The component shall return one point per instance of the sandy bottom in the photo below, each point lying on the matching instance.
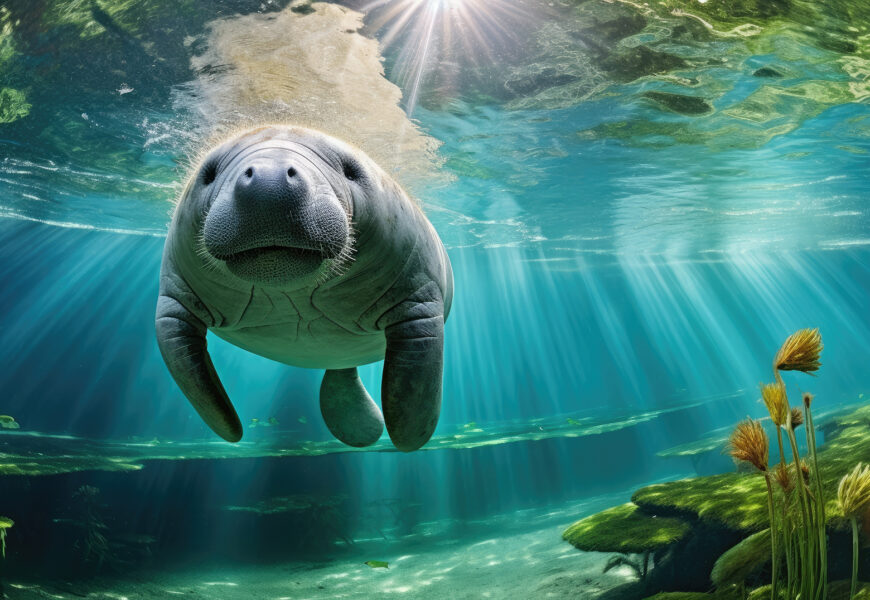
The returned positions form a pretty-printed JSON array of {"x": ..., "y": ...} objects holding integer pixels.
[{"x": 516, "y": 555}]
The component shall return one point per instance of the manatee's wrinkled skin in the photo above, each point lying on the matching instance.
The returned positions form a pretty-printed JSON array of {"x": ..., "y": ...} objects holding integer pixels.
[{"x": 297, "y": 247}]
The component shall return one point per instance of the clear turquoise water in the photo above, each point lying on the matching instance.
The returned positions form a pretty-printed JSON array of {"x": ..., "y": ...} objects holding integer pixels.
[{"x": 612, "y": 258}]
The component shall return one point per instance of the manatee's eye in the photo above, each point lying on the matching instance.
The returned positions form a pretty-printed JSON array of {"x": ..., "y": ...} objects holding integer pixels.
[
  {"x": 209, "y": 172},
  {"x": 351, "y": 169}
]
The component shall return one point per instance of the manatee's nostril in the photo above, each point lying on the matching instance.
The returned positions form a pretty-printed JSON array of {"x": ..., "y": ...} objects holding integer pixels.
[
  {"x": 291, "y": 172},
  {"x": 249, "y": 172}
]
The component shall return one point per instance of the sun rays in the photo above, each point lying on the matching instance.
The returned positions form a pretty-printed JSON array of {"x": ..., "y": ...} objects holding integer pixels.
[{"x": 438, "y": 35}]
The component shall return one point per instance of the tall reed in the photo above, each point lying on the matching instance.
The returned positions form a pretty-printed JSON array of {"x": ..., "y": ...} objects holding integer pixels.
[
  {"x": 853, "y": 494},
  {"x": 802, "y": 523}
]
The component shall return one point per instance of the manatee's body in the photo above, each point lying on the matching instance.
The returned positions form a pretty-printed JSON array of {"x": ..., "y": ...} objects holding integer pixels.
[{"x": 297, "y": 247}]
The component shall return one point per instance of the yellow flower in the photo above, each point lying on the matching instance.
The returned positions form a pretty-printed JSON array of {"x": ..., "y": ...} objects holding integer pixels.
[
  {"x": 853, "y": 492},
  {"x": 749, "y": 443},
  {"x": 800, "y": 352},
  {"x": 776, "y": 402}
]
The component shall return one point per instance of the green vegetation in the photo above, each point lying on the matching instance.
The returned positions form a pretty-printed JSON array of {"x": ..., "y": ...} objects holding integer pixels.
[
  {"x": 13, "y": 105},
  {"x": 737, "y": 564},
  {"x": 801, "y": 504},
  {"x": 735, "y": 500},
  {"x": 853, "y": 497},
  {"x": 5, "y": 525},
  {"x": 377, "y": 564},
  {"x": 694, "y": 596},
  {"x": 626, "y": 529}
]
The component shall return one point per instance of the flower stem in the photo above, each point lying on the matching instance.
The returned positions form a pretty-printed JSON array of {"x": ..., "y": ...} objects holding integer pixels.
[
  {"x": 774, "y": 559},
  {"x": 854, "y": 557}
]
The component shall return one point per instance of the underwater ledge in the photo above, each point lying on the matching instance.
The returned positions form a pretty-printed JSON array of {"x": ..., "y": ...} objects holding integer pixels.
[
  {"x": 31, "y": 453},
  {"x": 681, "y": 528}
]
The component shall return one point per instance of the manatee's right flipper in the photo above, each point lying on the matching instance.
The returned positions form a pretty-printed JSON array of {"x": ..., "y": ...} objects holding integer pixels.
[
  {"x": 348, "y": 410},
  {"x": 181, "y": 337}
]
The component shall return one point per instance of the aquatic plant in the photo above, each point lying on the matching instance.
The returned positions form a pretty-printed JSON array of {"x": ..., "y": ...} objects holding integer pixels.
[
  {"x": 801, "y": 529},
  {"x": 853, "y": 494},
  {"x": 799, "y": 352},
  {"x": 729, "y": 506},
  {"x": 7, "y": 422},
  {"x": 5, "y": 524},
  {"x": 93, "y": 545},
  {"x": 749, "y": 443},
  {"x": 639, "y": 567}
]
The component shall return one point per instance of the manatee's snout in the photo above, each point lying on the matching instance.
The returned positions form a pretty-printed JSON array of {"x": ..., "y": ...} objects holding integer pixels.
[{"x": 275, "y": 218}]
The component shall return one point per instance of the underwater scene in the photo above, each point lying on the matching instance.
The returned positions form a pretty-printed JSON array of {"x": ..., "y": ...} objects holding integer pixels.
[{"x": 435, "y": 299}]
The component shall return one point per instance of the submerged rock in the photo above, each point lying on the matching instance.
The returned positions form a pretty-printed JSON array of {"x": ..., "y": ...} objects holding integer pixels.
[
  {"x": 719, "y": 511},
  {"x": 740, "y": 562},
  {"x": 625, "y": 529}
]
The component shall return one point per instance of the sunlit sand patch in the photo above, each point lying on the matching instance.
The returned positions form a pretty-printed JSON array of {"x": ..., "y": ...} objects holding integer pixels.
[{"x": 312, "y": 69}]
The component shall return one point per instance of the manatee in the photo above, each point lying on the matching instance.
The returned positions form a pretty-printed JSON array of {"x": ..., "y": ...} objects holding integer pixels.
[{"x": 296, "y": 246}]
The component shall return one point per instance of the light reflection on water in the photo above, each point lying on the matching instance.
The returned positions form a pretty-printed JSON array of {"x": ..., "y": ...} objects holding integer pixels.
[{"x": 777, "y": 163}]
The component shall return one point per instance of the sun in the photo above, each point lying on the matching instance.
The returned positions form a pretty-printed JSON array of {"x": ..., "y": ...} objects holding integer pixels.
[{"x": 422, "y": 32}]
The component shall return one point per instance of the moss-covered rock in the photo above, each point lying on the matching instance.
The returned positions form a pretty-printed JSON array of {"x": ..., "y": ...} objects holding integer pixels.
[
  {"x": 735, "y": 500},
  {"x": 625, "y": 529},
  {"x": 736, "y": 565},
  {"x": 738, "y": 501}
]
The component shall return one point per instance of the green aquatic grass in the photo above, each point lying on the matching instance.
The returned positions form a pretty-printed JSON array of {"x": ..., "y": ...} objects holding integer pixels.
[{"x": 626, "y": 529}]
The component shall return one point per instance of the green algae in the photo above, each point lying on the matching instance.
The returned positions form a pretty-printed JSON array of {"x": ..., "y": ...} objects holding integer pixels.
[
  {"x": 13, "y": 105},
  {"x": 707, "y": 46},
  {"x": 626, "y": 529}
]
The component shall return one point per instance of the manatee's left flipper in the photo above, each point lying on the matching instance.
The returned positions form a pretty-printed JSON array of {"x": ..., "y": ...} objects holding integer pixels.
[
  {"x": 348, "y": 410},
  {"x": 411, "y": 390}
]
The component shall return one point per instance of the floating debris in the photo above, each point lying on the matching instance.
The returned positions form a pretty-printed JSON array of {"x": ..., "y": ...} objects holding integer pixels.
[{"x": 377, "y": 564}]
